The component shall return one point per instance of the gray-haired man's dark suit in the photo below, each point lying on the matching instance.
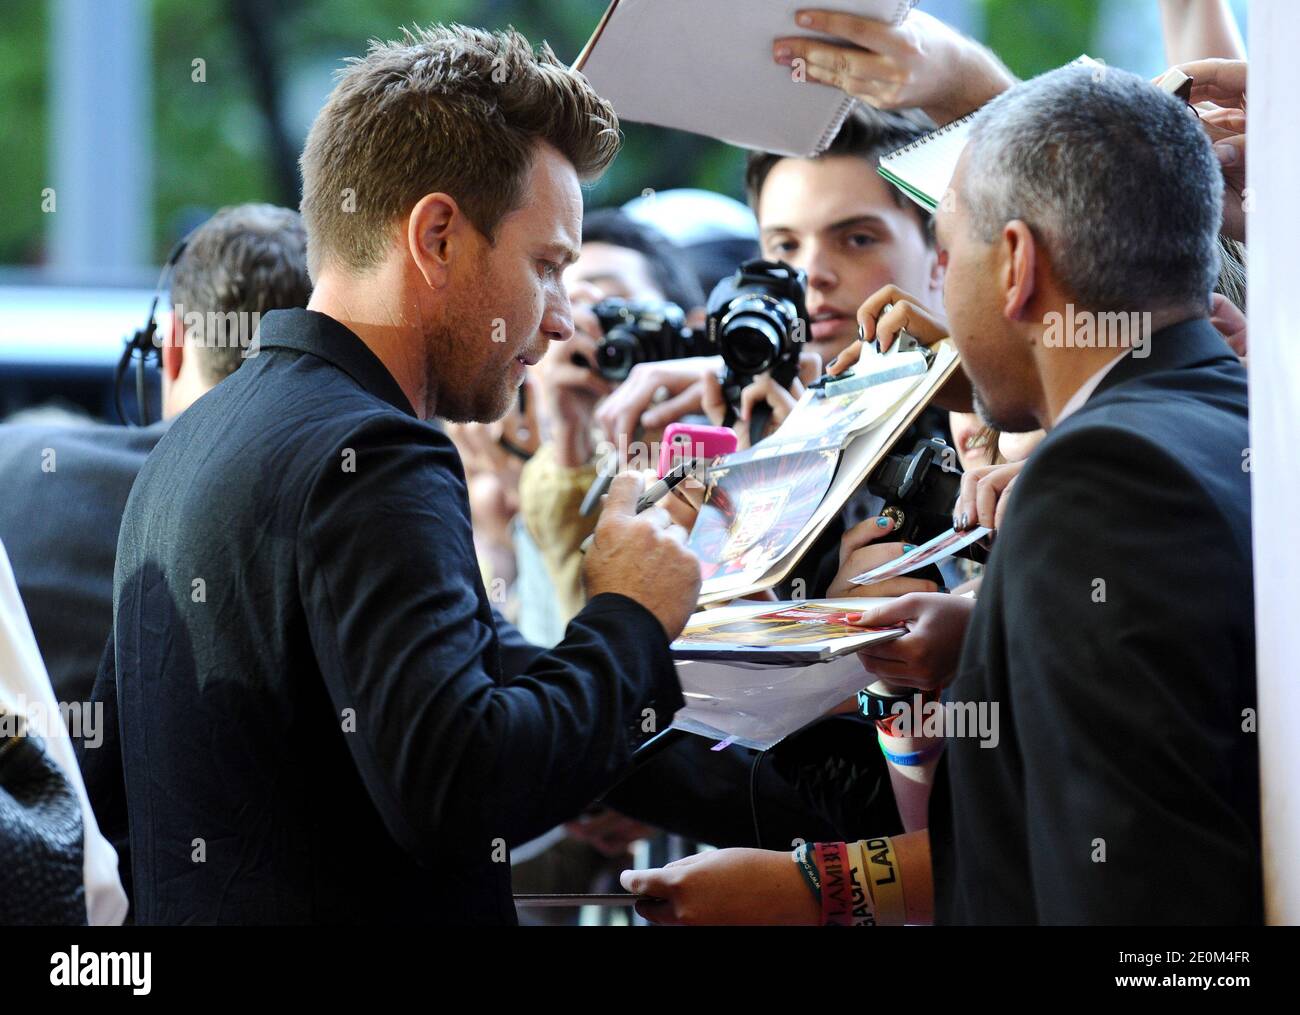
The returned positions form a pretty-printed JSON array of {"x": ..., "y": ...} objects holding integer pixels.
[{"x": 1115, "y": 633}]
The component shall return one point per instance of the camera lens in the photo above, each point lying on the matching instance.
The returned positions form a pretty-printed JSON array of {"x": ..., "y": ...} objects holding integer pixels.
[
  {"x": 616, "y": 354},
  {"x": 751, "y": 336}
]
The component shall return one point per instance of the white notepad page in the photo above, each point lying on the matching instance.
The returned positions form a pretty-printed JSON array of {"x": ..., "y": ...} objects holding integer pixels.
[
  {"x": 706, "y": 66},
  {"x": 928, "y": 163}
]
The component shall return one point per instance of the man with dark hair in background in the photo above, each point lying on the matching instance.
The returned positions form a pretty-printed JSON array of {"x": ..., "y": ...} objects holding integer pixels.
[
  {"x": 66, "y": 486},
  {"x": 624, "y": 257},
  {"x": 836, "y": 218},
  {"x": 245, "y": 260}
]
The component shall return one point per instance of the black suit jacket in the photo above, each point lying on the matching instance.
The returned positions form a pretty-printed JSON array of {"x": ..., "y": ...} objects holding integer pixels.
[
  {"x": 316, "y": 724},
  {"x": 1115, "y": 632},
  {"x": 64, "y": 488}
]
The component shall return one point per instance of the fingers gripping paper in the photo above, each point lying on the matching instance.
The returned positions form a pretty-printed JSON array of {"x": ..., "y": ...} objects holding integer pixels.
[{"x": 706, "y": 66}]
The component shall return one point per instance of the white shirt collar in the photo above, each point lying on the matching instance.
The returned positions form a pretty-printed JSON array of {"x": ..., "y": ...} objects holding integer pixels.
[{"x": 1086, "y": 389}]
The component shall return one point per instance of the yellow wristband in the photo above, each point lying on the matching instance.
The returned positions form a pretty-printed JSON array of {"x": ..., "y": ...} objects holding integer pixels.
[
  {"x": 885, "y": 882},
  {"x": 864, "y": 913}
]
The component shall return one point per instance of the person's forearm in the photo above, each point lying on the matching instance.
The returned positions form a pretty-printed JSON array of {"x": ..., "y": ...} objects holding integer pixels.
[
  {"x": 980, "y": 76},
  {"x": 911, "y": 783},
  {"x": 889, "y": 880},
  {"x": 550, "y": 497},
  {"x": 913, "y": 852},
  {"x": 535, "y": 751},
  {"x": 1200, "y": 30}
]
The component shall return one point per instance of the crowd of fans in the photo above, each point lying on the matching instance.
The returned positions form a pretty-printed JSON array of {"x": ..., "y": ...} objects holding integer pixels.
[{"x": 310, "y": 574}]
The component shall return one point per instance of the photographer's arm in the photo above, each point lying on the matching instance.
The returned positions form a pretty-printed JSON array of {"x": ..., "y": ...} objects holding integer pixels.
[
  {"x": 550, "y": 498},
  {"x": 763, "y": 390},
  {"x": 635, "y": 407},
  {"x": 569, "y": 392},
  {"x": 926, "y": 658}
]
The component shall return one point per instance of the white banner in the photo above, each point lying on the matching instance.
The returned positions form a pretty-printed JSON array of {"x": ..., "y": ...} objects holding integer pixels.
[{"x": 1274, "y": 312}]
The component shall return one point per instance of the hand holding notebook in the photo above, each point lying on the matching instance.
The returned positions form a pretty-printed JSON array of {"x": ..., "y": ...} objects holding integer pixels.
[
  {"x": 706, "y": 66},
  {"x": 920, "y": 63},
  {"x": 923, "y": 169}
]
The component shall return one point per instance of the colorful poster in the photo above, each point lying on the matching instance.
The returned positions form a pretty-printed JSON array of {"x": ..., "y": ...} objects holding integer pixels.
[
  {"x": 753, "y": 512},
  {"x": 804, "y": 624}
]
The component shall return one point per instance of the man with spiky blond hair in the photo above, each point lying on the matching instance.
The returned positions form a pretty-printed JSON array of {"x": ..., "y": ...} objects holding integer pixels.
[{"x": 320, "y": 719}]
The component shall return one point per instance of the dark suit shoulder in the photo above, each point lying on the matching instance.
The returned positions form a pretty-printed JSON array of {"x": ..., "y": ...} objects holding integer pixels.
[
  {"x": 272, "y": 428},
  {"x": 1139, "y": 454},
  {"x": 1114, "y": 631},
  {"x": 65, "y": 488},
  {"x": 394, "y": 474},
  {"x": 103, "y": 447},
  {"x": 388, "y": 450}
]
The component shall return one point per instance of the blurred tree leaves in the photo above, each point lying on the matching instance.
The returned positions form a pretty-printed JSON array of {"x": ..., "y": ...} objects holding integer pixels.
[
  {"x": 1035, "y": 37},
  {"x": 23, "y": 137},
  {"x": 210, "y": 140}
]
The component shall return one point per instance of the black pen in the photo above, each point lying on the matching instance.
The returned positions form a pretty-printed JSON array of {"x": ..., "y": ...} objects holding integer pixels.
[{"x": 655, "y": 494}]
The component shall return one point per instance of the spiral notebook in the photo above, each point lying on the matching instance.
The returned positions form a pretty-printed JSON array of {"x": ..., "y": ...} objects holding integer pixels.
[
  {"x": 923, "y": 169},
  {"x": 706, "y": 66}
]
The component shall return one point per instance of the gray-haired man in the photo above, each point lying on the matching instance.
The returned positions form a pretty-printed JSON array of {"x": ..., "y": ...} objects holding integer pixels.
[{"x": 1115, "y": 624}]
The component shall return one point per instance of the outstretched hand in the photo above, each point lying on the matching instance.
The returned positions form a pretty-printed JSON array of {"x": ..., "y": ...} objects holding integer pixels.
[
  {"x": 928, "y": 654},
  {"x": 726, "y": 886}
]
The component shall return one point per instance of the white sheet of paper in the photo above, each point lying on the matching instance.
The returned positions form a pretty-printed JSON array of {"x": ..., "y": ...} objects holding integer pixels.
[
  {"x": 706, "y": 66},
  {"x": 759, "y": 706},
  {"x": 941, "y": 547}
]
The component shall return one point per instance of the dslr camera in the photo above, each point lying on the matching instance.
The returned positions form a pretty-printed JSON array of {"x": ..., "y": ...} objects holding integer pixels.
[
  {"x": 757, "y": 322},
  {"x": 919, "y": 488},
  {"x": 640, "y": 331}
]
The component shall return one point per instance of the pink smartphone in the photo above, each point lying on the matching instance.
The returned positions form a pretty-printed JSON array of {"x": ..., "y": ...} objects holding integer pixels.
[{"x": 686, "y": 440}]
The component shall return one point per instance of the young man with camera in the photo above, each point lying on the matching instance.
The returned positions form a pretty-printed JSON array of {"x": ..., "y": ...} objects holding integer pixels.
[{"x": 834, "y": 218}]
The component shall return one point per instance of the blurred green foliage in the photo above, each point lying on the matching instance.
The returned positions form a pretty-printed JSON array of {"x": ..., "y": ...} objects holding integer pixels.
[
  {"x": 23, "y": 131},
  {"x": 211, "y": 144},
  {"x": 1035, "y": 37}
]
